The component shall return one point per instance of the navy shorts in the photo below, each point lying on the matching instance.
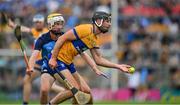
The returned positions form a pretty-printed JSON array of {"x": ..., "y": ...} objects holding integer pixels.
[
  {"x": 61, "y": 66},
  {"x": 40, "y": 63}
]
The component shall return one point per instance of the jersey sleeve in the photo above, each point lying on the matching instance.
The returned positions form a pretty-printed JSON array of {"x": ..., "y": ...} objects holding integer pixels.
[{"x": 38, "y": 44}]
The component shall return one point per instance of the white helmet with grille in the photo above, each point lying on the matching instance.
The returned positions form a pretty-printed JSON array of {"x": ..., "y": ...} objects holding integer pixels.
[{"x": 55, "y": 17}]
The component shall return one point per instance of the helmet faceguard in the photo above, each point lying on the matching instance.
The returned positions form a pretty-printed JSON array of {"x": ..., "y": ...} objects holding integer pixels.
[
  {"x": 52, "y": 19},
  {"x": 102, "y": 16}
]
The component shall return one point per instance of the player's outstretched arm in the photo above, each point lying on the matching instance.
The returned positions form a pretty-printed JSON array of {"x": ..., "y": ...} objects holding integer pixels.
[
  {"x": 23, "y": 28},
  {"x": 105, "y": 63},
  {"x": 68, "y": 36}
]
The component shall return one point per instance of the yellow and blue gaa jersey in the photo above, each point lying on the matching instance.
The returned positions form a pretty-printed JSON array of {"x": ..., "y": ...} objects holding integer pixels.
[
  {"x": 36, "y": 33},
  {"x": 85, "y": 39}
]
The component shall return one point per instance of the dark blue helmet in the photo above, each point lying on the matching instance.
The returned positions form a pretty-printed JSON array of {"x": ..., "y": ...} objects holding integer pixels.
[{"x": 103, "y": 16}]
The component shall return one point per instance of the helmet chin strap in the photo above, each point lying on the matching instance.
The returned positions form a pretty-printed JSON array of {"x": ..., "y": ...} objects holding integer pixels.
[{"x": 100, "y": 26}]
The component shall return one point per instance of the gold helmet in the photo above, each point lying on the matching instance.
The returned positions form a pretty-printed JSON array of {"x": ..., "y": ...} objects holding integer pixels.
[{"x": 55, "y": 17}]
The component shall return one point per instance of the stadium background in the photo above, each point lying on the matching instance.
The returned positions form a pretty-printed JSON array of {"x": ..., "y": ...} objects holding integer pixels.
[{"x": 147, "y": 38}]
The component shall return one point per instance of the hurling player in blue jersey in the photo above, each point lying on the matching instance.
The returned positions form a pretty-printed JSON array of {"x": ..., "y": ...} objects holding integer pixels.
[
  {"x": 44, "y": 44},
  {"x": 37, "y": 30}
]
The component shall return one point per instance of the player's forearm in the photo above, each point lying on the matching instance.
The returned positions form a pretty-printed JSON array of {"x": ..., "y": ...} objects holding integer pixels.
[
  {"x": 25, "y": 29},
  {"x": 98, "y": 58},
  {"x": 106, "y": 63},
  {"x": 89, "y": 61},
  {"x": 32, "y": 60}
]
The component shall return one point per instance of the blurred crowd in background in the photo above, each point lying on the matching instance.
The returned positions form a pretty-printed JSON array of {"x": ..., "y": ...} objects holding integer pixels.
[{"x": 148, "y": 39}]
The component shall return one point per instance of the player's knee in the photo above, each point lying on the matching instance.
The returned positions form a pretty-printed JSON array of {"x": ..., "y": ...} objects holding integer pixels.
[
  {"x": 27, "y": 79},
  {"x": 57, "y": 88}
]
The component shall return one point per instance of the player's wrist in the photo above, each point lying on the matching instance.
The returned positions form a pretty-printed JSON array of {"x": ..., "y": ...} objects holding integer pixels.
[
  {"x": 29, "y": 68},
  {"x": 95, "y": 69},
  {"x": 117, "y": 66},
  {"x": 54, "y": 58}
]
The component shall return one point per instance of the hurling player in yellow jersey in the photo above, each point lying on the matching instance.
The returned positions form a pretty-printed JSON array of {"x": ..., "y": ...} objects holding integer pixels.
[
  {"x": 76, "y": 41},
  {"x": 37, "y": 30},
  {"x": 44, "y": 44}
]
